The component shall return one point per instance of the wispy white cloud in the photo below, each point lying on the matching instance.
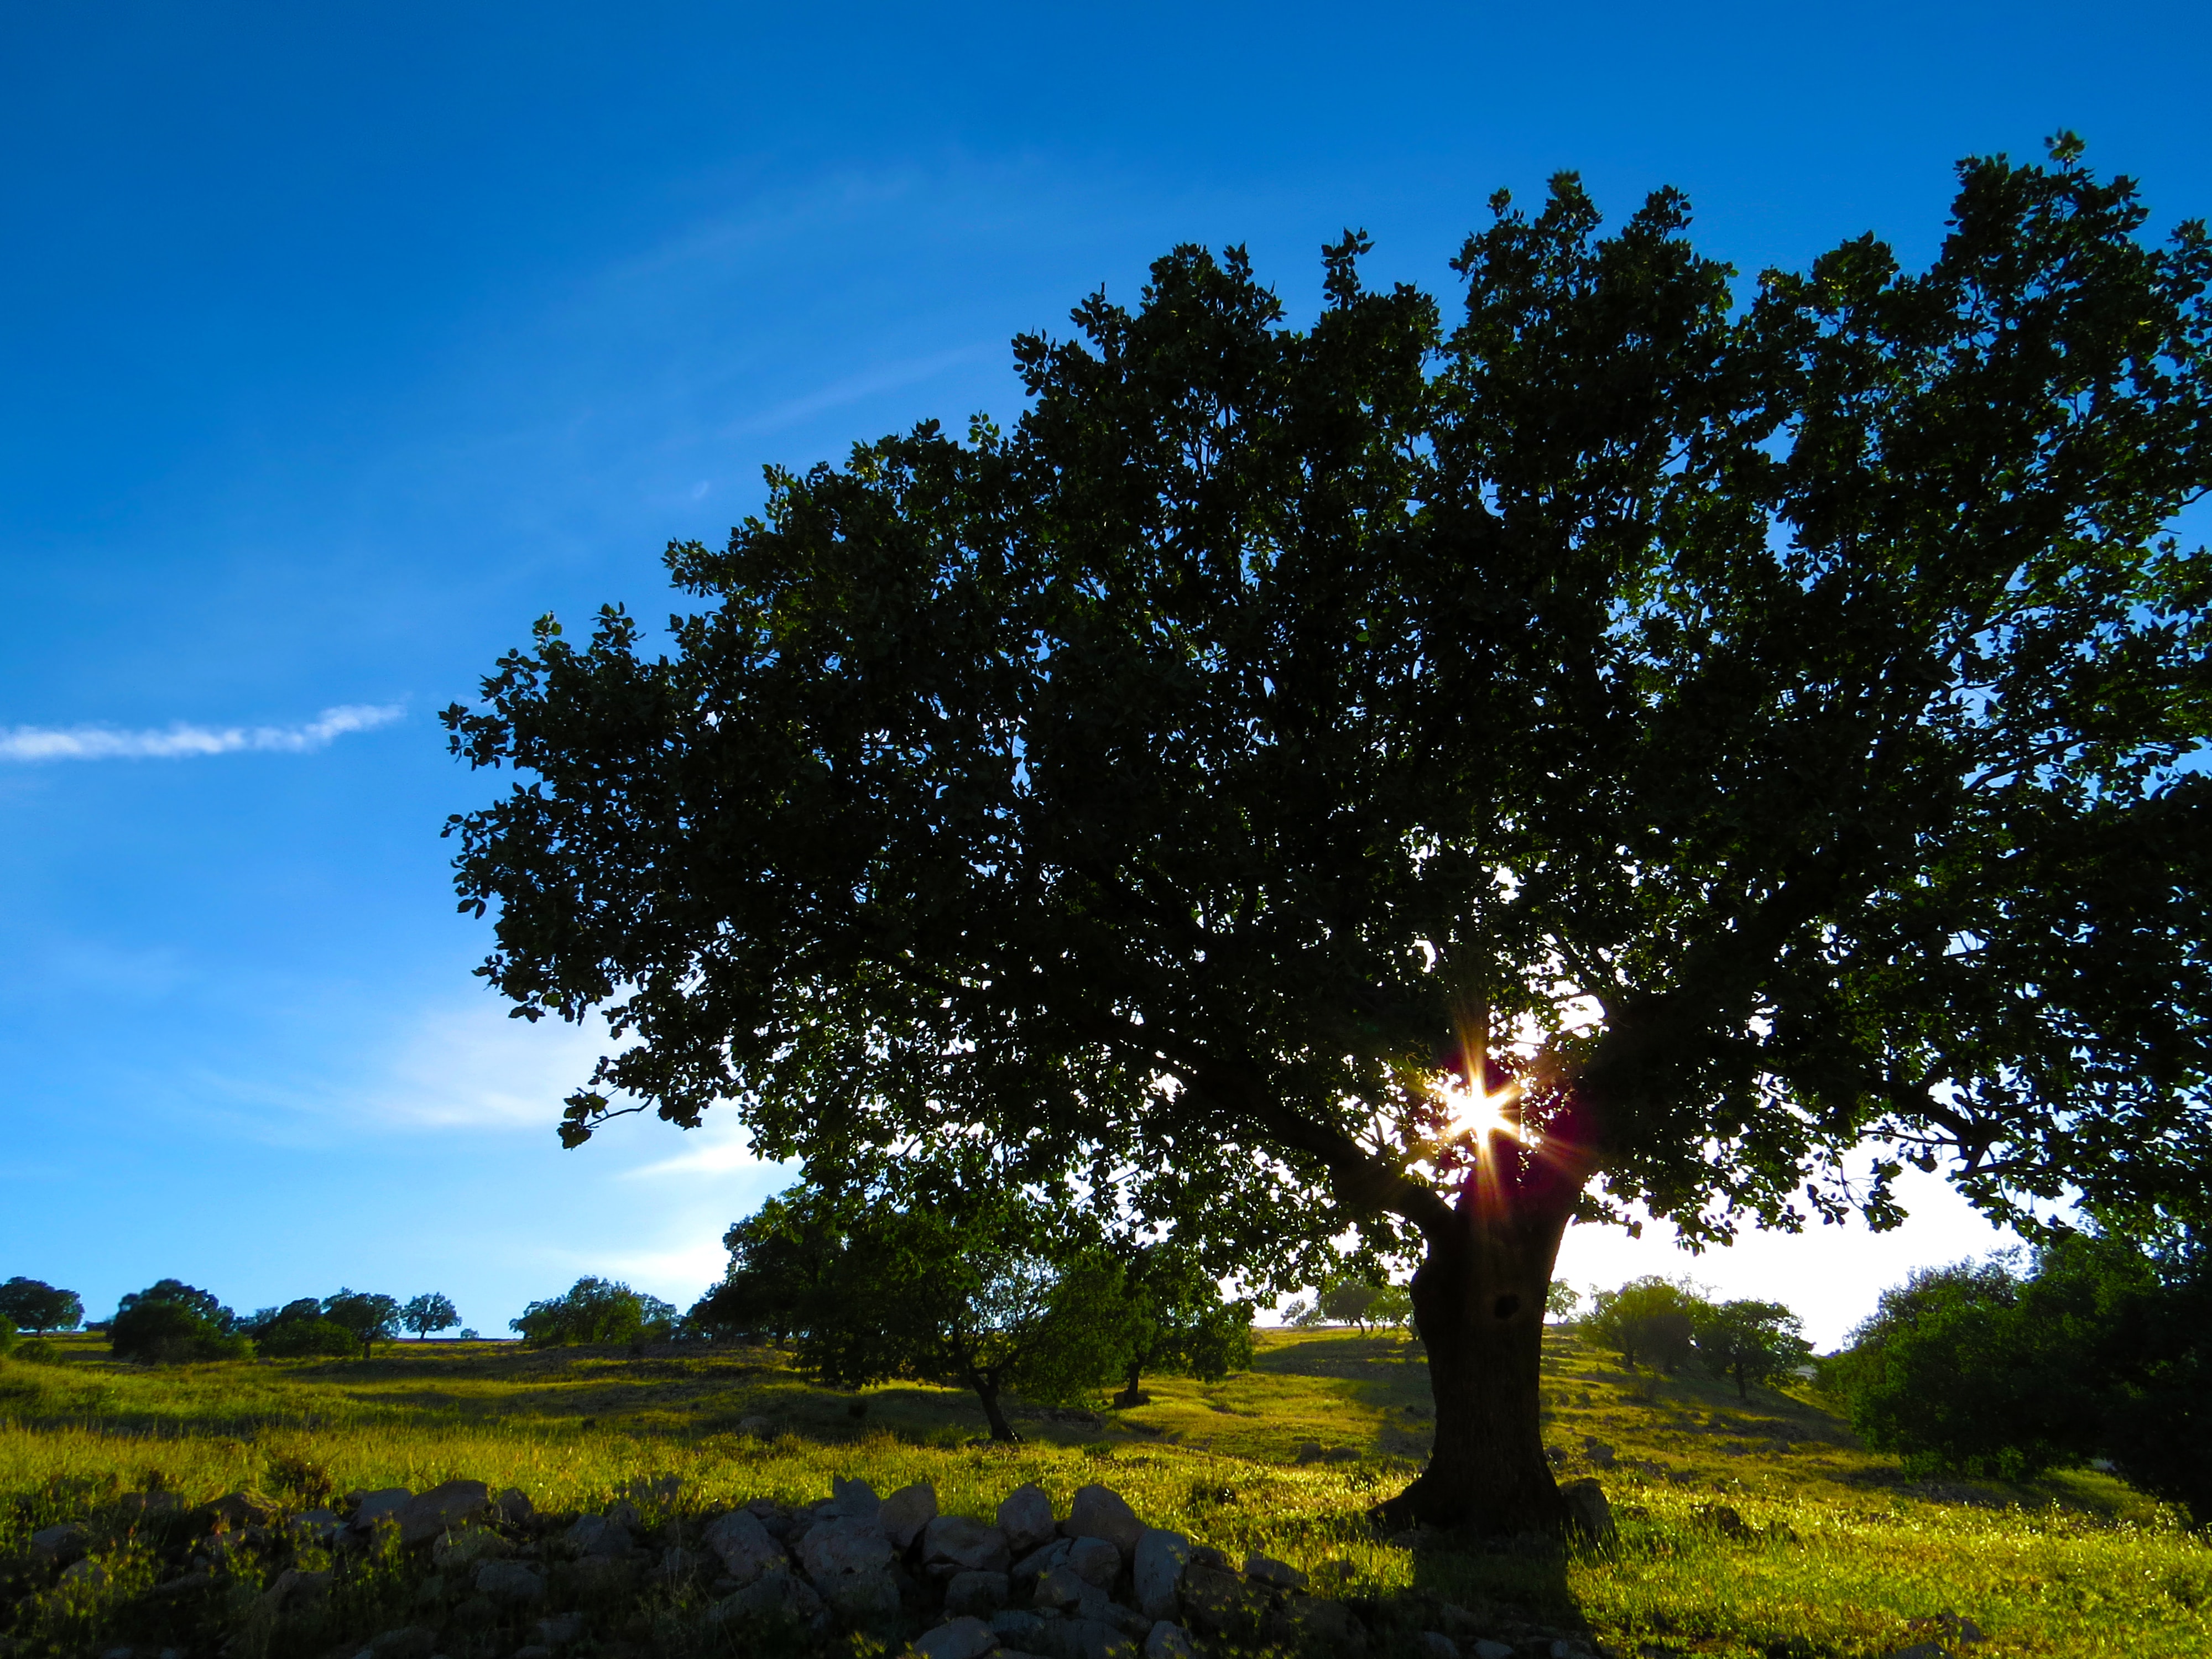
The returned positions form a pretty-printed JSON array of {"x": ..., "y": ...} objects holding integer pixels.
[{"x": 182, "y": 741}]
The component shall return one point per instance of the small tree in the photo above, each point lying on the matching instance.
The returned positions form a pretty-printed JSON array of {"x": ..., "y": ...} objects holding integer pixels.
[
  {"x": 595, "y": 1310},
  {"x": 35, "y": 1306},
  {"x": 1649, "y": 1319},
  {"x": 1561, "y": 1301},
  {"x": 1393, "y": 1306},
  {"x": 171, "y": 1322},
  {"x": 429, "y": 1312},
  {"x": 979, "y": 1284},
  {"x": 1348, "y": 1304},
  {"x": 1749, "y": 1341},
  {"x": 1180, "y": 1322},
  {"x": 371, "y": 1316}
]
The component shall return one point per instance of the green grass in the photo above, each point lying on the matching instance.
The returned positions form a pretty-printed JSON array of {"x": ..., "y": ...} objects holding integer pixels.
[{"x": 1836, "y": 1553}]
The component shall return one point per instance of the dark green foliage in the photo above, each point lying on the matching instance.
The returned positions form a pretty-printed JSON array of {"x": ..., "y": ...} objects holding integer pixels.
[
  {"x": 299, "y": 1338},
  {"x": 2102, "y": 1350},
  {"x": 981, "y": 1286},
  {"x": 1648, "y": 1321},
  {"x": 1179, "y": 1321},
  {"x": 36, "y": 1306},
  {"x": 173, "y": 1329},
  {"x": 371, "y": 1316},
  {"x": 1172, "y": 788},
  {"x": 1749, "y": 1342},
  {"x": 202, "y": 1305},
  {"x": 431, "y": 1311},
  {"x": 1347, "y": 1304},
  {"x": 595, "y": 1310},
  {"x": 7, "y": 1336}
]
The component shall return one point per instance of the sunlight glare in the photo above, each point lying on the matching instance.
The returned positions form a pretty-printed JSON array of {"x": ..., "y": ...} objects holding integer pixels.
[{"x": 1477, "y": 1113}]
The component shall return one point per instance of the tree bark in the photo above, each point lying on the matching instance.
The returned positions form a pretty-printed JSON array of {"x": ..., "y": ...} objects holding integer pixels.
[
  {"x": 987, "y": 1390},
  {"x": 1131, "y": 1396},
  {"x": 1479, "y": 1302}
]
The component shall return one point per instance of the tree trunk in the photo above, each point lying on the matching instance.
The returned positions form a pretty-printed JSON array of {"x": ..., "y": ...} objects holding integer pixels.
[
  {"x": 987, "y": 1390},
  {"x": 1478, "y": 1300},
  {"x": 1131, "y": 1396}
]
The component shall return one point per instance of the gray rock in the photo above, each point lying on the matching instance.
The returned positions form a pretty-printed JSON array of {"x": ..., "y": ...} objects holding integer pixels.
[
  {"x": 743, "y": 1546},
  {"x": 1018, "y": 1628},
  {"x": 980, "y": 1593},
  {"x": 382, "y": 1506},
  {"x": 408, "y": 1642},
  {"x": 441, "y": 1508},
  {"x": 1589, "y": 1516},
  {"x": 677, "y": 1564},
  {"x": 516, "y": 1583},
  {"x": 514, "y": 1504},
  {"x": 597, "y": 1534},
  {"x": 954, "y": 1542},
  {"x": 778, "y": 1594},
  {"x": 1039, "y": 1562},
  {"x": 1487, "y": 1649},
  {"x": 457, "y": 1549},
  {"x": 1170, "y": 1640},
  {"x": 1216, "y": 1601},
  {"x": 1266, "y": 1570},
  {"x": 1099, "y": 1512},
  {"x": 856, "y": 1499},
  {"x": 1095, "y": 1561},
  {"x": 961, "y": 1638},
  {"x": 905, "y": 1512},
  {"x": 1315, "y": 1624},
  {"x": 559, "y": 1630},
  {"x": 1434, "y": 1644},
  {"x": 1156, "y": 1572},
  {"x": 1025, "y": 1516},
  {"x": 757, "y": 1428},
  {"x": 65, "y": 1543},
  {"x": 1597, "y": 1451},
  {"x": 314, "y": 1526},
  {"x": 604, "y": 1576},
  {"x": 1059, "y": 1589},
  {"x": 849, "y": 1561},
  {"x": 292, "y": 1589}
]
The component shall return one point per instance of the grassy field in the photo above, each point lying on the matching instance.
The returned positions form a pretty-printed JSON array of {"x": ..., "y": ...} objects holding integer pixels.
[{"x": 1752, "y": 1527}]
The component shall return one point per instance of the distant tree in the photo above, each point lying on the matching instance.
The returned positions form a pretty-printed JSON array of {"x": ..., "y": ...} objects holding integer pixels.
[
  {"x": 1393, "y": 1306},
  {"x": 171, "y": 1322},
  {"x": 202, "y": 1303},
  {"x": 1180, "y": 1322},
  {"x": 301, "y": 1339},
  {"x": 1749, "y": 1341},
  {"x": 6, "y": 1334},
  {"x": 1561, "y": 1300},
  {"x": 1348, "y": 1304},
  {"x": 2102, "y": 1349},
  {"x": 1649, "y": 1319},
  {"x": 981, "y": 1286},
  {"x": 595, "y": 1310},
  {"x": 371, "y": 1316},
  {"x": 469, "y": 1335},
  {"x": 39, "y": 1307},
  {"x": 429, "y": 1312}
]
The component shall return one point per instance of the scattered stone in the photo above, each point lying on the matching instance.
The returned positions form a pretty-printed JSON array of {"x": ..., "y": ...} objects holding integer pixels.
[
  {"x": 1589, "y": 1516},
  {"x": 961, "y": 1638},
  {"x": 1487, "y": 1649},
  {"x": 597, "y": 1534},
  {"x": 515, "y": 1506},
  {"x": 905, "y": 1512},
  {"x": 1724, "y": 1520},
  {"x": 517, "y": 1582},
  {"x": 781, "y": 1594},
  {"x": 371, "y": 1507},
  {"x": 63, "y": 1544},
  {"x": 601, "y": 1577},
  {"x": 408, "y": 1642},
  {"x": 1267, "y": 1570},
  {"x": 1206, "y": 1556},
  {"x": 1218, "y": 1602},
  {"x": 743, "y": 1543},
  {"x": 1059, "y": 1589},
  {"x": 1156, "y": 1572},
  {"x": 294, "y": 1588},
  {"x": 850, "y": 1561},
  {"x": 558, "y": 1630},
  {"x": 1025, "y": 1516},
  {"x": 979, "y": 1593},
  {"x": 1597, "y": 1451},
  {"x": 1018, "y": 1629},
  {"x": 856, "y": 1499},
  {"x": 1038, "y": 1562},
  {"x": 1434, "y": 1644},
  {"x": 676, "y": 1564},
  {"x": 1309, "y": 1451},
  {"x": 757, "y": 1428},
  {"x": 1089, "y": 1639},
  {"x": 314, "y": 1526},
  {"x": 457, "y": 1549},
  {"x": 232, "y": 1512},
  {"x": 953, "y": 1543},
  {"x": 1312, "y": 1624},
  {"x": 1095, "y": 1561},
  {"x": 145, "y": 1505},
  {"x": 441, "y": 1508},
  {"x": 1172, "y": 1641},
  {"x": 88, "y": 1572},
  {"x": 1100, "y": 1512}
]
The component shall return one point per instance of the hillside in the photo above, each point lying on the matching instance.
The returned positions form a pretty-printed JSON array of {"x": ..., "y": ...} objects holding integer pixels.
[{"x": 1751, "y": 1527}]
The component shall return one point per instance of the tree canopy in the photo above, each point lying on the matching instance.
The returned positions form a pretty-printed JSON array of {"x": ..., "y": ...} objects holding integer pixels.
[
  {"x": 1723, "y": 736},
  {"x": 431, "y": 1311},
  {"x": 34, "y": 1305},
  {"x": 595, "y": 1309}
]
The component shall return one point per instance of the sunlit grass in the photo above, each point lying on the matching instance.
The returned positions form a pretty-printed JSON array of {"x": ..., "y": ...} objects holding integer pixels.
[{"x": 1828, "y": 1551}]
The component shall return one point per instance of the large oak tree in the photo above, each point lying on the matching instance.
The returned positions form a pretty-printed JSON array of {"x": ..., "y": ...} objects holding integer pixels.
[{"x": 1729, "y": 726}]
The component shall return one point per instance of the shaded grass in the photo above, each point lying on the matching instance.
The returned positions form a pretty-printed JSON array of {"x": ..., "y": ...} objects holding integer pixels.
[{"x": 1826, "y": 1549}]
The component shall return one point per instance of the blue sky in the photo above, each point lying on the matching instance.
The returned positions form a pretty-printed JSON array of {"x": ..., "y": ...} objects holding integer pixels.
[{"x": 337, "y": 343}]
